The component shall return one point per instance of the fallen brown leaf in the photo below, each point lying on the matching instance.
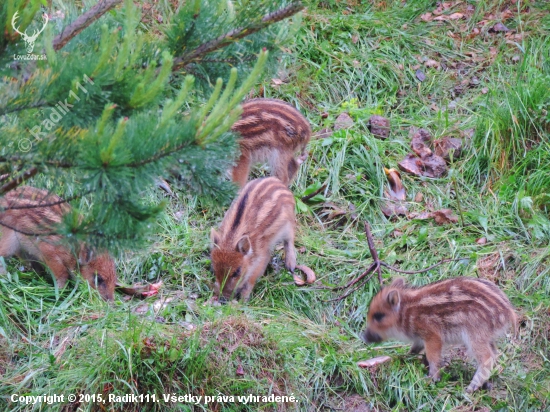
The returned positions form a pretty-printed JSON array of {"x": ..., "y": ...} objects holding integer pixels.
[
  {"x": 433, "y": 166},
  {"x": 444, "y": 146},
  {"x": 506, "y": 14},
  {"x": 432, "y": 63},
  {"x": 456, "y": 16},
  {"x": 310, "y": 276},
  {"x": 393, "y": 208},
  {"x": 441, "y": 217},
  {"x": 396, "y": 190},
  {"x": 379, "y": 126},
  {"x": 156, "y": 306},
  {"x": 396, "y": 195},
  {"x": 444, "y": 216},
  {"x": 420, "y": 142},
  {"x": 343, "y": 121},
  {"x": 140, "y": 290},
  {"x": 323, "y": 134},
  {"x": 427, "y": 17},
  {"x": 446, "y": 17},
  {"x": 411, "y": 164},
  {"x": 499, "y": 27},
  {"x": 369, "y": 363},
  {"x": 481, "y": 241}
]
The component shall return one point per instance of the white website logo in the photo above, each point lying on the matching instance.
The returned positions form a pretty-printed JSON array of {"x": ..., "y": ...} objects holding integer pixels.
[{"x": 29, "y": 39}]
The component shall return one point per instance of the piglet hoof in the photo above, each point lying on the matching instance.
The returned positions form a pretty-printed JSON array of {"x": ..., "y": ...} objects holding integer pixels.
[
  {"x": 435, "y": 377},
  {"x": 213, "y": 301},
  {"x": 425, "y": 361},
  {"x": 487, "y": 386}
]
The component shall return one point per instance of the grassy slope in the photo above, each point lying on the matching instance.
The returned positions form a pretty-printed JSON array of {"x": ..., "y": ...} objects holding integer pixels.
[{"x": 288, "y": 339}]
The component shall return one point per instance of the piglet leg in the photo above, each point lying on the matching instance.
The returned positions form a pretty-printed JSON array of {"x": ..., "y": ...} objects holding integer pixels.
[
  {"x": 485, "y": 358},
  {"x": 433, "y": 354}
]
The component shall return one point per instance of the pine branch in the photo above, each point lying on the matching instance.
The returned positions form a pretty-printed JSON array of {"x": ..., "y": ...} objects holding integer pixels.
[
  {"x": 56, "y": 163},
  {"x": 236, "y": 34},
  {"x": 12, "y": 184},
  {"x": 29, "y": 106},
  {"x": 27, "y": 233},
  {"x": 82, "y": 22},
  {"x": 59, "y": 202}
]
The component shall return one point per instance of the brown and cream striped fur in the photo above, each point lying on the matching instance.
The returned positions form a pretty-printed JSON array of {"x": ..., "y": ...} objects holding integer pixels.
[
  {"x": 274, "y": 131},
  {"x": 469, "y": 311},
  {"x": 29, "y": 219},
  {"x": 261, "y": 216}
]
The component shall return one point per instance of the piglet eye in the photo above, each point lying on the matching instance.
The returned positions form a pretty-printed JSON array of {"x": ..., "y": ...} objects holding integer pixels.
[
  {"x": 378, "y": 316},
  {"x": 236, "y": 273}
]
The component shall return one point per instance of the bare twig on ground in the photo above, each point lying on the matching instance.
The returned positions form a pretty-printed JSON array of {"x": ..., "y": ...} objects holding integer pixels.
[
  {"x": 312, "y": 195},
  {"x": 375, "y": 266}
]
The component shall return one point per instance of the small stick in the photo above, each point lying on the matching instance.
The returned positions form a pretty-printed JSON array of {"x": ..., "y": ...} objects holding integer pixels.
[
  {"x": 12, "y": 184},
  {"x": 345, "y": 295},
  {"x": 311, "y": 195},
  {"x": 357, "y": 279},
  {"x": 373, "y": 251},
  {"x": 414, "y": 272}
]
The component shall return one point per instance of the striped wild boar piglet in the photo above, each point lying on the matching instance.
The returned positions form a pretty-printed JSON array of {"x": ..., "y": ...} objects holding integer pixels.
[
  {"x": 261, "y": 216},
  {"x": 28, "y": 221},
  {"x": 468, "y": 311},
  {"x": 274, "y": 131}
]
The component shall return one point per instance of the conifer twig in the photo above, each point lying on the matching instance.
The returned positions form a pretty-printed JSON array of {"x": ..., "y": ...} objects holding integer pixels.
[
  {"x": 82, "y": 22},
  {"x": 13, "y": 183},
  {"x": 236, "y": 34},
  {"x": 7, "y": 226},
  {"x": 56, "y": 203}
]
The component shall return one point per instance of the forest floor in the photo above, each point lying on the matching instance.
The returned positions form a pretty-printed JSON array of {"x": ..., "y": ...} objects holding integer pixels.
[{"x": 478, "y": 71}]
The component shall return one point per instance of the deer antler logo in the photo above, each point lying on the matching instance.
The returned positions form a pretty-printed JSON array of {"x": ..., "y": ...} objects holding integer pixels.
[{"x": 29, "y": 39}]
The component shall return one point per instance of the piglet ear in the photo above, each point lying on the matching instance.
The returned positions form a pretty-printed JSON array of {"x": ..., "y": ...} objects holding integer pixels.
[
  {"x": 86, "y": 254},
  {"x": 398, "y": 283},
  {"x": 214, "y": 237},
  {"x": 393, "y": 299},
  {"x": 244, "y": 246}
]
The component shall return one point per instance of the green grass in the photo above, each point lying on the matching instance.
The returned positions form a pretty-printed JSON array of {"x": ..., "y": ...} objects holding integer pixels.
[{"x": 360, "y": 58}]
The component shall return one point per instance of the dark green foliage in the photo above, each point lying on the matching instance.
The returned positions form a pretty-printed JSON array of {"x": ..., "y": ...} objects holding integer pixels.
[{"x": 103, "y": 117}]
